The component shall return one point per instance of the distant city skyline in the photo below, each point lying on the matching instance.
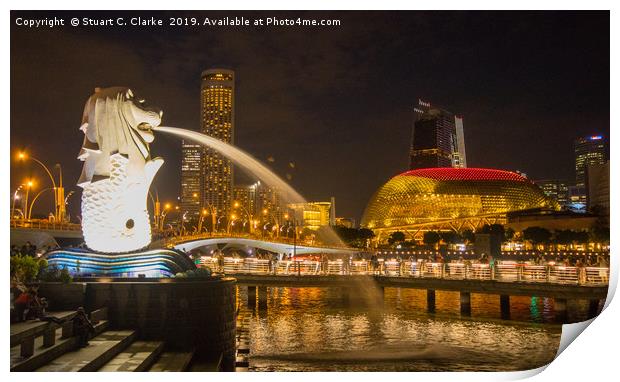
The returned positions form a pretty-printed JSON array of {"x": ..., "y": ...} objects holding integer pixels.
[{"x": 335, "y": 101}]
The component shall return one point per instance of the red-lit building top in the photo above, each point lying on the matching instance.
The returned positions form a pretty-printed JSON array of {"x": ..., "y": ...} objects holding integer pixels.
[{"x": 448, "y": 173}]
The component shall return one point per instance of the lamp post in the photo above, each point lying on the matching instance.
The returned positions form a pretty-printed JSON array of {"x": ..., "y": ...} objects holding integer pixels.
[
  {"x": 250, "y": 218},
  {"x": 276, "y": 221},
  {"x": 60, "y": 196},
  {"x": 29, "y": 216},
  {"x": 163, "y": 216},
  {"x": 23, "y": 156},
  {"x": 213, "y": 212},
  {"x": 15, "y": 197},
  {"x": 29, "y": 185},
  {"x": 232, "y": 223}
]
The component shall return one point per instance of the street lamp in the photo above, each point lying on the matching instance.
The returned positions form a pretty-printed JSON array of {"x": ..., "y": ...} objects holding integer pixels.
[
  {"x": 15, "y": 197},
  {"x": 276, "y": 221},
  {"x": 232, "y": 222},
  {"x": 250, "y": 218},
  {"x": 29, "y": 216},
  {"x": 167, "y": 206},
  {"x": 29, "y": 184},
  {"x": 57, "y": 190}
]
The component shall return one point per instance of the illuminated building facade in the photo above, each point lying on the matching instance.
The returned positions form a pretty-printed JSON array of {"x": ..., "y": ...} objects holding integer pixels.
[
  {"x": 312, "y": 215},
  {"x": 597, "y": 187},
  {"x": 437, "y": 138},
  {"x": 191, "y": 180},
  {"x": 269, "y": 199},
  {"x": 246, "y": 196},
  {"x": 217, "y": 103},
  {"x": 346, "y": 222},
  {"x": 557, "y": 189},
  {"x": 450, "y": 199},
  {"x": 588, "y": 151}
]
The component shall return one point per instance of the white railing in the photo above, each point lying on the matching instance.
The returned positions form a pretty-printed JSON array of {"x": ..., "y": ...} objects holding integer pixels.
[
  {"x": 596, "y": 276},
  {"x": 334, "y": 267},
  {"x": 359, "y": 268},
  {"x": 502, "y": 271}
]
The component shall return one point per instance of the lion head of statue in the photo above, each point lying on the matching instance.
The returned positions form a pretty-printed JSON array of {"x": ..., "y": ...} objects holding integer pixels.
[{"x": 115, "y": 121}]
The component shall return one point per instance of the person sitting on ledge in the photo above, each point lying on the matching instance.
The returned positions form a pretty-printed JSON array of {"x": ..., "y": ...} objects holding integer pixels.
[{"x": 82, "y": 327}]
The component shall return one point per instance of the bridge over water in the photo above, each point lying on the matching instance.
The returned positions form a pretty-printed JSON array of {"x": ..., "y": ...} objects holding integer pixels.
[
  {"x": 247, "y": 245},
  {"x": 357, "y": 278}
]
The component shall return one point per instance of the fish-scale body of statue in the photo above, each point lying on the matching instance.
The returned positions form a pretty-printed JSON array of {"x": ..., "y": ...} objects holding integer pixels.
[{"x": 118, "y": 170}]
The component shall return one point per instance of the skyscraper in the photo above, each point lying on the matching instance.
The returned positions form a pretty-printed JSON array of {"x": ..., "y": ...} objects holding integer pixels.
[
  {"x": 557, "y": 189},
  {"x": 217, "y": 103},
  {"x": 191, "y": 180},
  {"x": 588, "y": 151},
  {"x": 437, "y": 138},
  {"x": 597, "y": 187},
  {"x": 246, "y": 196}
]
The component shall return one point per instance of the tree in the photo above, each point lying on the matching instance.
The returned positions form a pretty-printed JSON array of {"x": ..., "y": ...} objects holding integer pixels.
[
  {"x": 509, "y": 234},
  {"x": 536, "y": 235},
  {"x": 493, "y": 229},
  {"x": 468, "y": 235},
  {"x": 353, "y": 237},
  {"x": 24, "y": 269},
  {"x": 564, "y": 236},
  {"x": 396, "y": 237},
  {"x": 431, "y": 238},
  {"x": 451, "y": 237}
]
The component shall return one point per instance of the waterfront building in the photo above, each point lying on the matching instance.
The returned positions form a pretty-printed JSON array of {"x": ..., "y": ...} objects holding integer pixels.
[
  {"x": 437, "y": 138},
  {"x": 217, "y": 104},
  {"x": 311, "y": 215},
  {"x": 558, "y": 189},
  {"x": 450, "y": 199}
]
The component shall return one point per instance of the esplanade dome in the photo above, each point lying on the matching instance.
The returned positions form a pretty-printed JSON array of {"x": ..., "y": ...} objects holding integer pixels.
[{"x": 427, "y": 197}]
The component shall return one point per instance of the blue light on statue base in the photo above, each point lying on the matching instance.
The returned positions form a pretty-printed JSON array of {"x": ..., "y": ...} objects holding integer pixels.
[{"x": 148, "y": 263}]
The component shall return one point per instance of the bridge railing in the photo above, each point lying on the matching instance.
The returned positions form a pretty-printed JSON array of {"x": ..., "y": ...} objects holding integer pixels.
[
  {"x": 502, "y": 272},
  {"x": 44, "y": 224}
]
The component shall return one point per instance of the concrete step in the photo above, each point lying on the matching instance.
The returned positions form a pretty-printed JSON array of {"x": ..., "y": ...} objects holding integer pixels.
[
  {"x": 139, "y": 356},
  {"x": 44, "y": 355},
  {"x": 209, "y": 365},
  {"x": 100, "y": 350},
  {"x": 173, "y": 361},
  {"x": 22, "y": 330}
]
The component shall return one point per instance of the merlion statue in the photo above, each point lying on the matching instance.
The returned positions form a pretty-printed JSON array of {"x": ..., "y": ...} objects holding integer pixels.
[{"x": 118, "y": 170}]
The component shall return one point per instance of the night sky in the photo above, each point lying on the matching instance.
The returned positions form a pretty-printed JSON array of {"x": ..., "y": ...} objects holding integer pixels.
[{"x": 337, "y": 101}]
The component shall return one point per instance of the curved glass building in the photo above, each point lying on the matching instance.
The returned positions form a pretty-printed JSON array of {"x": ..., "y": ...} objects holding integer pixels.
[{"x": 451, "y": 198}]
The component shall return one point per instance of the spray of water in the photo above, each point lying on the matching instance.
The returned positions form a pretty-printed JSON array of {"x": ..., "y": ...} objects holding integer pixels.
[{"x": 248, "y": 164}]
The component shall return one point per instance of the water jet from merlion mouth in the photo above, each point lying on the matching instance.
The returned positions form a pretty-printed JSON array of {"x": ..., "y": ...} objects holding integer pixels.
[{"x": 250, "y": 165}]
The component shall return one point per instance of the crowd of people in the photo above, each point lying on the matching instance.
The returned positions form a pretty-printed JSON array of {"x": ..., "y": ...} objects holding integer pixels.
[
  {"x": 29, "y": 249},
  {"x": 28, "y": 305}
]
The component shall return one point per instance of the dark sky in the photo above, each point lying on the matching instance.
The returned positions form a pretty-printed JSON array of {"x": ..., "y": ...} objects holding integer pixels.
[{"x": 335, "y": 100}]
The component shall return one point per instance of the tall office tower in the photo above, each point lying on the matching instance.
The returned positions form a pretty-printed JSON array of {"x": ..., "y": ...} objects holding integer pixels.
[
  {"x": 217, "y": 104},
  {"x": 597, "y": 188},
  {"x": 556, "y": 189},
  {"x": 437, "y": 138},
  {"x": 588, "y": 151},
  {"x": 246, "y": 196},
  {"x": 191, "y": 180}
]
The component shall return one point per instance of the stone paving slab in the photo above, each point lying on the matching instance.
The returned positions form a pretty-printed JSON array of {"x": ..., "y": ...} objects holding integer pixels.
[
  {"x": 28, "y": 328},
  {"x": 107, "y": 344},
  {"x": 139, "y": 356},
  {"x": 173, "y": 361}
]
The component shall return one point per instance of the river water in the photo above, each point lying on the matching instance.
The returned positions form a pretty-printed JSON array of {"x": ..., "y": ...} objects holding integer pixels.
[{"x": 325, "y": 329}]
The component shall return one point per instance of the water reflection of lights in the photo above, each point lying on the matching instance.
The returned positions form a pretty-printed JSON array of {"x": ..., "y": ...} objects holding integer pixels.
[{"x": 316, "y": 329}]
